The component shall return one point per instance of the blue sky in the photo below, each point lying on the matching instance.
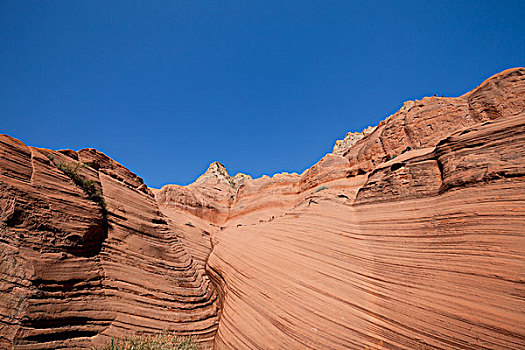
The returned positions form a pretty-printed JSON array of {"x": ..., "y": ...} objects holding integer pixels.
[{"x": 167, "y": 87}]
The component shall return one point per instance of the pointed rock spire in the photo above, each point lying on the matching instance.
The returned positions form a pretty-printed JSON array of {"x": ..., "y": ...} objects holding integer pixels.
[{"x": 218, "y": 171}]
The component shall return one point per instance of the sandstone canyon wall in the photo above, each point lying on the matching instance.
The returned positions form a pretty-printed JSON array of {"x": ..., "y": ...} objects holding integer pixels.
[
  {"x": 409, "y": 235},
  {"x": 76, "y": 271}
]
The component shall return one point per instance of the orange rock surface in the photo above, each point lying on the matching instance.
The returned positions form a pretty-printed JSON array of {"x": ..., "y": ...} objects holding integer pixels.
[
  {"x": 75, "y": 272},
  {"x": 411, "y": 238}
]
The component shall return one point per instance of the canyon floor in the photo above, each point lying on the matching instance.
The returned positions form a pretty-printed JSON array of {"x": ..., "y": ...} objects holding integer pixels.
[{"x": 409, "y": 235}]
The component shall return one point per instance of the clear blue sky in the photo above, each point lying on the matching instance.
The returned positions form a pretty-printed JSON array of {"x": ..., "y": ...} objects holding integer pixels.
[{"x": 167, "y": 87}]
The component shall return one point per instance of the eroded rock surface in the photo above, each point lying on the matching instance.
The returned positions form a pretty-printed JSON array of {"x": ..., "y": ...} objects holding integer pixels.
[
  {"x": 408, "y": 236},
  {"x": 351, "y": 138},
  {"x": 77, "y": 269}
]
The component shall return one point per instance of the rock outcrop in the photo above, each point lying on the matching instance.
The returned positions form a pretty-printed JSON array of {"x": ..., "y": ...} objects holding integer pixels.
[
  {"x": 87, "y": 255},
  {"x": 408, "y": 236},
  {"x": 424, "y": 123},
  {"x": 341, "y": 146},
  {"x": 217, "y": 172}
]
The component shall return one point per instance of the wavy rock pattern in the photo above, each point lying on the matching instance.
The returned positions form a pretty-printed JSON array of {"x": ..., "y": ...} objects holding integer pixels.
[
  {"x": 410, "y": 237},
  {"x": 439, "y": 268},
  {"x": 74, "y": 272},
  {"x": 413, "y": 239}
]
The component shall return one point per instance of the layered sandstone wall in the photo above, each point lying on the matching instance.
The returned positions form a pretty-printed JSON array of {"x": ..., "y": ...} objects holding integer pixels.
[
  {"x": 411, "y": 238},
  {"x": 78, "y": 269},
  {"x": 420, "y": 258}
]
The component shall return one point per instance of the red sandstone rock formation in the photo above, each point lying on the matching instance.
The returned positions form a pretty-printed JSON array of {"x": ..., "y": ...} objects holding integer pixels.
[
  {"x": 76, "y": 270},
  {"x": 410, "y": 237}
]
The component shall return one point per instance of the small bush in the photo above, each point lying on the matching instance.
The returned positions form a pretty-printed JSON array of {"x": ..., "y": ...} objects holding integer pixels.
[
  {"x": 162, "y": 341},
  {"x": 91, "y": 243},
  {"x": 89, "y": 186},
  {"x": 320, "y": 188}
]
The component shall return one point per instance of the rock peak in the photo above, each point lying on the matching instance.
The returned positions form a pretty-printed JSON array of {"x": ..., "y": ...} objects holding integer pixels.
[
  {"x": 218, "y": 172},
  {"x": 215, "y": 170}
]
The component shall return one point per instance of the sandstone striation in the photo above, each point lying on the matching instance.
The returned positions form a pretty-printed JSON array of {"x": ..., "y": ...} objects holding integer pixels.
[
  {"x": 409, "y": 238},
  {"x": 408, "y": 235},
  {"x": 424, "y": 123},
  {"x": 76, "y": 271}
]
